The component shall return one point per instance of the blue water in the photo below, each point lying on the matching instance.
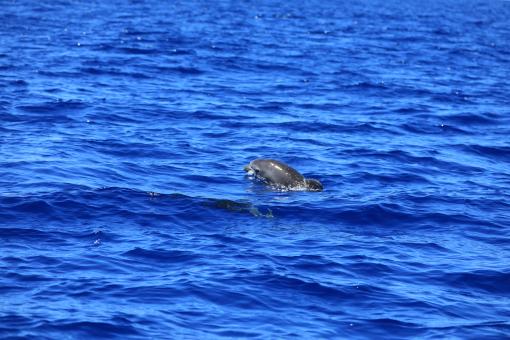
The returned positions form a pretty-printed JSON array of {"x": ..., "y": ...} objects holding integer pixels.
[{"x": 125, "y": 212}]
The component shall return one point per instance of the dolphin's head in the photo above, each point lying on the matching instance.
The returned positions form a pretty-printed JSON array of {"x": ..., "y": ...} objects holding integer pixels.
[
  {"x": 280, "y": 175},
  {"x": 253, "y": 168},
  {"x": 313, "y": 184}
]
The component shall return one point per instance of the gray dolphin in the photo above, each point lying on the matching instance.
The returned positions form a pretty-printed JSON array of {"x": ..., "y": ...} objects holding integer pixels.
[{"x": 279, "y": 174}]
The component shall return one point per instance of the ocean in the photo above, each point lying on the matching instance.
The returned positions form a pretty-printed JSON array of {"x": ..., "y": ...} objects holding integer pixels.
[{"x": 125, "y": 212}]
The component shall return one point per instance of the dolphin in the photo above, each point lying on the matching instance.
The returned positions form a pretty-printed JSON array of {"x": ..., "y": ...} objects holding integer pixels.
[{"x": 280, "y": 175}]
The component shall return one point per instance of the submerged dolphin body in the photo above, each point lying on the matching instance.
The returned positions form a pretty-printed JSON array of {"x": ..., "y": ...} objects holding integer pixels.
[{"x": 281, "y": 175}]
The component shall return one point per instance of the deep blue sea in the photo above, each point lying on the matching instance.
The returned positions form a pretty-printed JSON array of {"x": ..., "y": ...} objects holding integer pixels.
[{"x": 125, "y": 211}]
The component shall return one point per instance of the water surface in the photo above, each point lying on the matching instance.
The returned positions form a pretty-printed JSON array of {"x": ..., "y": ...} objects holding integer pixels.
[{"x": 125, "y": 212}]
